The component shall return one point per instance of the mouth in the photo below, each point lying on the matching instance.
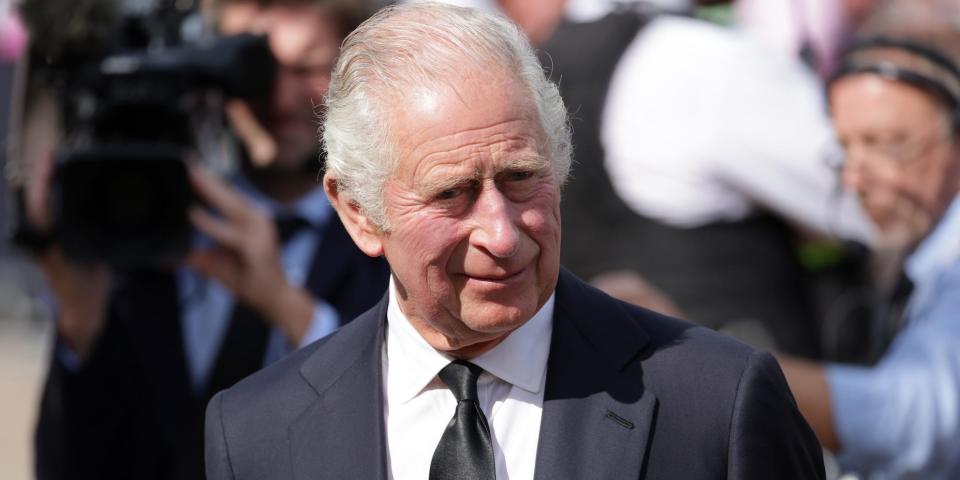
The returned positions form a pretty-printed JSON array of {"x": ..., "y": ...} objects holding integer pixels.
[{"x": 497, "y": 278}]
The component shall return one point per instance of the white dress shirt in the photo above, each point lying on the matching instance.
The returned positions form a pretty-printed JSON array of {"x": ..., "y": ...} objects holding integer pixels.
[{"x": 418, "y": 406}]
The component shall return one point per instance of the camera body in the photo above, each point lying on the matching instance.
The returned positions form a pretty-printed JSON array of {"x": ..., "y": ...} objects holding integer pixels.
[
  {"x": 136, "y": 104},
  {"x": 134, "y": 119}
]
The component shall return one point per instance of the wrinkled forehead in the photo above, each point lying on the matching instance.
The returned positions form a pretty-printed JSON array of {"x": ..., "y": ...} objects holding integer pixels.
[{"x": 473, "y": 103}]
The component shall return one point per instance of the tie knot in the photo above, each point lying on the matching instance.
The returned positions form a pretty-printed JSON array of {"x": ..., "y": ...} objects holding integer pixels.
[
  {"x": 288, "y": 225},
  {"x": 461, "y": 377}
]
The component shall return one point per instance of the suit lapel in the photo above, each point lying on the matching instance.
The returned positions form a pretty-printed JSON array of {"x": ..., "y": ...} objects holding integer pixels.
[
  {"x": 597, "y": 416},
  {"x": 341, "y": 435}
]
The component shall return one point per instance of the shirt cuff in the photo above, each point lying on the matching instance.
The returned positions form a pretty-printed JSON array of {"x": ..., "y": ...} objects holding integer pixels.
[
  {"x": 68, "y": 359},
  {"x": 325, "y": 320},
  {"x": 859, "y": 401}
]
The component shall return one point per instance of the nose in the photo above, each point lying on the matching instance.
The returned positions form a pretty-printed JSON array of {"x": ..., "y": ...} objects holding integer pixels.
[
  {"x": 855, "y": 172},
  {"x": 495, "y": 229}
]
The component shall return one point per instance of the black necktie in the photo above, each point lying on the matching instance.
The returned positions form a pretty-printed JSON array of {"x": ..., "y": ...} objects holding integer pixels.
[
  {"x": 465, "y": 451},
  {"x": 891, "y": 316},
  {"x": 287, "y": 226}
]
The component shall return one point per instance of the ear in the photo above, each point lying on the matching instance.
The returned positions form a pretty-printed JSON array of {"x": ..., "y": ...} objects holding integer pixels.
[{"x": 364, "y": 232}]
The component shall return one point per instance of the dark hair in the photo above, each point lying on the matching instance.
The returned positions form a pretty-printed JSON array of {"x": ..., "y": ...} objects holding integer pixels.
[
  {"x": 348, "y": 13},
  {"x": 916, "y": 63}
]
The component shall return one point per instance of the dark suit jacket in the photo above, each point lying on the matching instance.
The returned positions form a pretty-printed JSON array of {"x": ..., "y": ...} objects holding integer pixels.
[
  {"x": 130, "y": 412},
  {"x": 630, "y": 394}
]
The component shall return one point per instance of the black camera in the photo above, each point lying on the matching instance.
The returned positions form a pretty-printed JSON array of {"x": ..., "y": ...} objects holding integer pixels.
[{"x": 132, "y": 118}]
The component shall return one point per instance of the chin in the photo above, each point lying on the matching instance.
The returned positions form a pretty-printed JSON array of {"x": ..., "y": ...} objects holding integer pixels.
[
  {"x": 499, "y": 318},
  {"x": 898, "y": 239}
]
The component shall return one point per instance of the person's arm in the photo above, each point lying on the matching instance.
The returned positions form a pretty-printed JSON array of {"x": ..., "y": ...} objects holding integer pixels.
[
  {"x": 325, "y": 320},
  {"x": 247, "y": 257},
  {"x": 79, "y": 290},
  {"x": 808, "y": 382},
  {"x": 901, "y": 416},
  {"x": 768, "y": 436},
  {"x": 87, "y": 416},
  {"x": 84, "y": 420}
]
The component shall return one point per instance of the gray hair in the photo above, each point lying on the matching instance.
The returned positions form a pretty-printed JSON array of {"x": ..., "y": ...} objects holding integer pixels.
[{"x": 421, "y": 44}]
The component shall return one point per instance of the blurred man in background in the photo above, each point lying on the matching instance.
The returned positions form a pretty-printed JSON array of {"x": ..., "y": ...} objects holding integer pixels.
[
  {"x": 896, "y": 106},
  {"x": 139, "y": 353}
]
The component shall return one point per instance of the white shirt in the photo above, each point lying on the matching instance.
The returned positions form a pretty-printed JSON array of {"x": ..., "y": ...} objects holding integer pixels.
[
  {"x": 702, "y": 124},
  {"x": 418, "y": 406}
]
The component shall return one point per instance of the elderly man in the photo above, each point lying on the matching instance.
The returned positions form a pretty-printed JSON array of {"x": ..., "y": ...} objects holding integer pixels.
[
  {"x": 447, "y": 148},
  {"x": 895, "y": 105}
]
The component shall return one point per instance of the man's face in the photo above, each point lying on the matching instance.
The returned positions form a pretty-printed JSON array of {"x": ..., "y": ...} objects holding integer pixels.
[
  {"x": 305, "y": 41},
  {"x": 473, "y": 208},
  {"x": 901, "y": 157}
]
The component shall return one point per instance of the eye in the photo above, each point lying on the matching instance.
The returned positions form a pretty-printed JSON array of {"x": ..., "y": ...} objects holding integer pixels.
[
  {"x": 449, "y": 194},
  {"x": 453, "y": 192},
  {"x": 519, "y": 176}
]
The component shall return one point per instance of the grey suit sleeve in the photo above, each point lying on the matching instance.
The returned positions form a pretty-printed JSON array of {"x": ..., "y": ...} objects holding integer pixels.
[
  {"x": 768, "y": 436},
  {"x": 216, "y": 453}
]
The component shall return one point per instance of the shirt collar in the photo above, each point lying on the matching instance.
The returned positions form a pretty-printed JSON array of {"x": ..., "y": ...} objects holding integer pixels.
[
  {"x": 314, "y": 207},
  {"x": 520, "y": 359},
  {"x": 939, "y": 249}
]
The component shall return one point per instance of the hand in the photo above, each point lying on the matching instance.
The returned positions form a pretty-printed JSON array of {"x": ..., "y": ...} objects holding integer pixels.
[
  {"x": 808, "y": 383},
  {"x": 246, "y": 259},
  {"x": 260, "y": 146},
  {"x": 631, "y": 287},
  {"x": 80, "y": 290}
]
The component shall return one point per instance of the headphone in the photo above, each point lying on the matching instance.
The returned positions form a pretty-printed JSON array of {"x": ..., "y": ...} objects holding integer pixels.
[{"x": 946, "y": 85}]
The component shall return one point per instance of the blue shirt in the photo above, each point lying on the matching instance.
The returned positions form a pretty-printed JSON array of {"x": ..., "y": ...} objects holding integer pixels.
[
  {"x": 901, "y": 417},
  {"x": 207, "y": 305}
]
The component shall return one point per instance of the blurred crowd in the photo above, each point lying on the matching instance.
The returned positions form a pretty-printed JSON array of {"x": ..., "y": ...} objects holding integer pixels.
[{"x": 788, "y": 176}]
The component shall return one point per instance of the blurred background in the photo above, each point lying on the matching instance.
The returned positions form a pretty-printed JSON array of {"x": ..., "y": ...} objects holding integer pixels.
[{"x": 25, "y": 325}]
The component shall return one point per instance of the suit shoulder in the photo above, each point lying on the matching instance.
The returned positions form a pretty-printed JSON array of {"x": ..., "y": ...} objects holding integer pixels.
[
  {"x": 680, "y": 351},
  {"x": 281, "y": 386},
  {"x": 672, "y": 336},
  {"x": 277, "y": 384},
  {"x": 672, "y": 342}
]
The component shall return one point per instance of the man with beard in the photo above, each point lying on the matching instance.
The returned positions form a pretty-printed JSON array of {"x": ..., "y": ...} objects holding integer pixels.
[{"x": 896, "y": 107}]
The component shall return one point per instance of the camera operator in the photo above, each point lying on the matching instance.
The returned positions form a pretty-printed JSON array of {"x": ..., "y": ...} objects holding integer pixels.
[{"x": 139, "y": 353}]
